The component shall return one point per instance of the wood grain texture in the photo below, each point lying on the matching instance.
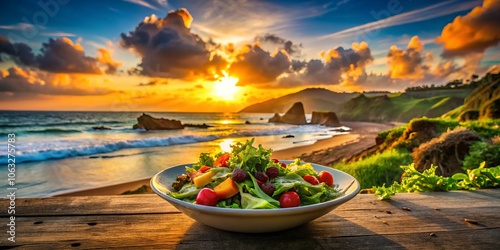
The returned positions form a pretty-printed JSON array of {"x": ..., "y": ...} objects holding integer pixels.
[{"x": 147, "y": 221}]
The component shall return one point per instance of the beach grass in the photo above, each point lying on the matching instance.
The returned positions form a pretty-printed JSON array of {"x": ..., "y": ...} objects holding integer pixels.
[{"x": 378, "y": 169}]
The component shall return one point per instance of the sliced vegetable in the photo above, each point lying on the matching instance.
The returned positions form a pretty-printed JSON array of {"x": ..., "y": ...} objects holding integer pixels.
[
  {"x": 204, "y": 169},
  {"x": 226, "y": 189},
  {"x": 203, "y": 179},
  {"x": 311, "y": 179},
  {"x": 222, "y": 160}
]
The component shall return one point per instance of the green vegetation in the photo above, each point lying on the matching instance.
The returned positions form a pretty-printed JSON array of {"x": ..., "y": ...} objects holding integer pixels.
[
  {"x": 438, "y": 153},
  {"x": 428, "y": 181},
  {"x": 377, "y": 169},
  {"x": 435, "y": 134},
  {"x": 482, "y": 152},
  {"x": 141, "y": 190},
  {"x": 399, "y": 107},
  {"x": 482, "y": 103}
]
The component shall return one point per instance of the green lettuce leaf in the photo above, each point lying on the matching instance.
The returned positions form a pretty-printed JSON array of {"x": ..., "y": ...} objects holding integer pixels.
[{"x": 187, "y": 191}]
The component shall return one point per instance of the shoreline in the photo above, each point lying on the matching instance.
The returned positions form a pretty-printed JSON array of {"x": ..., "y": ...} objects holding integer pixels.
[{"x": 323, "y": 152}]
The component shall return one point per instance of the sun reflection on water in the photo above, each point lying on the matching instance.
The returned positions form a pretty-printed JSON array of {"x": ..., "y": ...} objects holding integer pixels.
[{"x": 225, "y": 145}]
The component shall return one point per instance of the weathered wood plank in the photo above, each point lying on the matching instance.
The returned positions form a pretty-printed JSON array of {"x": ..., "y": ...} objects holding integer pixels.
[
  {"x": 167, "y": 230},
  {"x": 147, "y": 221},
  {"x": 139, "y": 204}
]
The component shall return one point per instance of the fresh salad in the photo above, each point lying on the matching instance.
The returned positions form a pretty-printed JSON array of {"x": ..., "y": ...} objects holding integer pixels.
[{"x": 248, "y": 178}]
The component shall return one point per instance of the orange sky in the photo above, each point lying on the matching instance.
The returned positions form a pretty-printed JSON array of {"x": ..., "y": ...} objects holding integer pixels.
[{"x": 173, "y": 63}]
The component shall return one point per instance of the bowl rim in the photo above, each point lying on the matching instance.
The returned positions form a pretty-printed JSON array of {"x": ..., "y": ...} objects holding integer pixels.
[{"x": 351, "y": 191}]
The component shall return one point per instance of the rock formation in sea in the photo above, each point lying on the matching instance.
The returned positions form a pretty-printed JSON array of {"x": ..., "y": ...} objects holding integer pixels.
[
  {"x": 204, "y": 125},
  {"x": 148, "y": 122},
  {"x": 101, "y": 128},
  {"x": 295, "y": 115},
  {"x": 325, "y": 118}
]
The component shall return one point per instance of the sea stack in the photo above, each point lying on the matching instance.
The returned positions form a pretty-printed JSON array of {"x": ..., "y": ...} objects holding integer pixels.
[
  {"x": 295, "y": 115},
  {"x": 325, "y": 118},
  {"x": 148, "y": 122}
]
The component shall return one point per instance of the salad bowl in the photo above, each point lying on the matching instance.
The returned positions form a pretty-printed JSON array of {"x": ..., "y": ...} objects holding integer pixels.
[{"x": 254, "y": 220}]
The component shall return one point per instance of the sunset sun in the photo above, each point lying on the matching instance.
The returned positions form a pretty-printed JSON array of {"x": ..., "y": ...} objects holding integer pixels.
[{"x": 225, "y": 87}]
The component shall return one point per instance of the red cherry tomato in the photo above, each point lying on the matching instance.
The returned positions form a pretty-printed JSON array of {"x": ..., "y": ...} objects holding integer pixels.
[
  {"x": 207, "y": 197},
  {"x": 204, "y": 169},
  {"x": 311, "y": 179},
  {"x": 275, "y": 160},
  {"x": 283, "y": 165},
  {"x": 222, "y": 161},
  {"x": 289, "y": 199},
  {"x": 326, "y": 177}
]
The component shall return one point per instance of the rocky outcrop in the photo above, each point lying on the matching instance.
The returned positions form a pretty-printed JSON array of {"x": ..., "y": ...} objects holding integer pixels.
[
  {"x": 275, "y": 119},
  {"x": 325, "y": 118},
  {"x": 204, "y": 125},
  {"x": 148, "y": 122},
  {"x": 100, "y": 128},
  {"x": 446, "y": 151},
  {"x": 295, "y": 115}
]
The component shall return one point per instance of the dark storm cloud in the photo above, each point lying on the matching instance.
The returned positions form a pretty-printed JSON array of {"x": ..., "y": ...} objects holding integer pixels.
[
  {"x": 18, "y": 52},
  {"x": 336, "y": 62},
  {"x": 168, "y": 48},
  {"x": 62, "y": 56},
  {"x": 284, "y": 44},
  {"x": 59, "y": 56}
]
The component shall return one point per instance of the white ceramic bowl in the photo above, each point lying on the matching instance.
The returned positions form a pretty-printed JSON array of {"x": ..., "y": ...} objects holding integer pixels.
[{"x": 254, "y": 220}]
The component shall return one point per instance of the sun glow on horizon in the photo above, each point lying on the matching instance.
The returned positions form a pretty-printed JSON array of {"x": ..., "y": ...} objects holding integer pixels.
[{"x": 226, "y": 88}]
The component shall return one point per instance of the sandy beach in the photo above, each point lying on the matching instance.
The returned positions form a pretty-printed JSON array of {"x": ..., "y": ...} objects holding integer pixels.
[{"x": 324, "y": 152}]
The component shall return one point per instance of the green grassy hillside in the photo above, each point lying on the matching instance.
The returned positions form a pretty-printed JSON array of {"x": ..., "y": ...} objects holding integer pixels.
[
  {"x": 482, "y": 103},
  {"x": 313, "y": 99},
  {"x": 398, "y": 107}
]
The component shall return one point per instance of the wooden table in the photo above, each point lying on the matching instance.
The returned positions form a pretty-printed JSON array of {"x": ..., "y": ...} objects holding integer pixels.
[{"x": 436, "y": 221}]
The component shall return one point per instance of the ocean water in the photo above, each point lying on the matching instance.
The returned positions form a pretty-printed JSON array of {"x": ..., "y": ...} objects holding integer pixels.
[{"x": 58, "y": 152}]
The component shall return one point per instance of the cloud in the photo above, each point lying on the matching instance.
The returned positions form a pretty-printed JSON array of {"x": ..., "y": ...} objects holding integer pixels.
[
  {"x": 59, "y": 55},
  {"x": 18, "y": 80},
  {"x": 254, "y": 65},
  {"x": 63, "y": 56},
  {"x": 153, "y": 82},
  {"x": 413, "y": 65},
  {"x": 472, "y": 33},
  {"x": 284, "y": 44},
  {"x": 104, "y": 58},
  {"x": 426, "y": 13},
  {"x": 168, "y": 48},
  {"x": 407, "y": 64},
  {"x": 58, "y": 34},
  {"x": 20, "y": 53},
  {"x": 143, "y": 3},
  {"x": 339, "y": 65},
  {"x": 18, "y": 26}
]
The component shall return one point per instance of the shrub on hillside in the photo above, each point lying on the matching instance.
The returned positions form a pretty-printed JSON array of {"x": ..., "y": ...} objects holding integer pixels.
[
  {"x": 483, "y": 151},
  {"x": 446, "y": 151}
]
